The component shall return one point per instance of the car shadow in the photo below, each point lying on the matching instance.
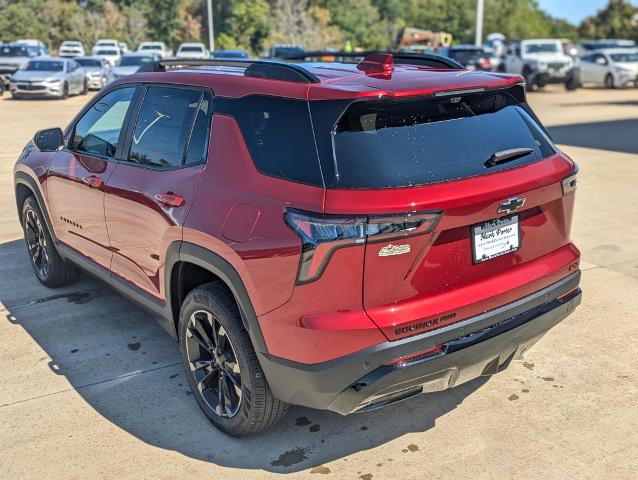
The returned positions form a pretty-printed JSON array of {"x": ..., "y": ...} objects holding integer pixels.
[
  {"x": 128, "y": 369},
  {"x": 614, "y": 135}
]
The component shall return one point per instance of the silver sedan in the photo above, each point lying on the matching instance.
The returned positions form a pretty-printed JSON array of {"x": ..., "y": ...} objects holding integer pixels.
[
  {"x": 98, "y": 71},
  {"x": 49, "y": 77}
]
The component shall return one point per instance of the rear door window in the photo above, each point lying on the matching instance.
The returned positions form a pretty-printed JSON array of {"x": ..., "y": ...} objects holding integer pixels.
[{"x": 386, "y": 144}]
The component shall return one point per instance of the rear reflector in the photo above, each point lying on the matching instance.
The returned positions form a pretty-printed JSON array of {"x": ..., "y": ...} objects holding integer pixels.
[
  {"x": 321, "y": 235},
  {"x": 413, "y": 357}
]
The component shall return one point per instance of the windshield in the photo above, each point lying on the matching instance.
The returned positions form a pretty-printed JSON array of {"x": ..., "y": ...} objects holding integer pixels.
[
  {"x": 230, "y": 54},
  {"x": 151, "y": 47},
  {"x": 106, "y": 52},
  {"x": 287, "y": 51},
  {"x": 13, "y": 51},
  {"x": 541, "y": 48},
  {"x": 88, "y": 62},
  {"x": 134, "y": 61},
  {"x": 466, "y": 54},
  {"x": 389, "y": 144},
  {"x": 625, "y": 57},
  {"x": 191, "y": 49},
  {"x": 45, "y": 66}
]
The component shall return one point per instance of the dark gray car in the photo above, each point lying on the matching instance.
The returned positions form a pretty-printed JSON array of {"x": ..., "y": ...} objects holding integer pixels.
[
  {"x": 49, "y": 77},
  {"x": 14, "y": 57}
]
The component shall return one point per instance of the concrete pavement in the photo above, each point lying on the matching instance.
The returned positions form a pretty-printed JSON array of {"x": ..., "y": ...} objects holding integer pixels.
[{"x": 91, "y": 387}]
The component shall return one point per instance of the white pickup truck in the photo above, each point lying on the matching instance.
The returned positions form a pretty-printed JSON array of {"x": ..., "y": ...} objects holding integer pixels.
[{"x": 541, "y": 62}]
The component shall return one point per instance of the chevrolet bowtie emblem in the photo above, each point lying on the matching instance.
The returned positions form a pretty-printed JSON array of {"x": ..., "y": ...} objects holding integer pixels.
[{"x": 511, "y": 205}]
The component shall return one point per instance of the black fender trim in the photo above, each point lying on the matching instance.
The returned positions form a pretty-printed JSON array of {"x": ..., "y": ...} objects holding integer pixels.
[
  {"x": 21, "y": 178},
  {"x": 202, "y": 257}
]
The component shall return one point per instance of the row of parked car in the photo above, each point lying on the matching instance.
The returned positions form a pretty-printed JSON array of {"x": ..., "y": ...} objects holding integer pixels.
[
  {"x": 607, "y": 63},
  {"x": 27, "y": 70}
]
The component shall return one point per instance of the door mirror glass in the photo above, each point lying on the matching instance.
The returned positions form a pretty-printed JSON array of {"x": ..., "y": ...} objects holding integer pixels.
[{"x": 49, "y": 140}]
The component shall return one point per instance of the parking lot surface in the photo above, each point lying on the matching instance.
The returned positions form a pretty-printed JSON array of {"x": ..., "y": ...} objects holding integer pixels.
[{"x": 92, "y": 387}]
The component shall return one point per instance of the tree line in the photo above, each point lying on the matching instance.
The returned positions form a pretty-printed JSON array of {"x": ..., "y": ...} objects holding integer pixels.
[{"x": 255, "y": 25}]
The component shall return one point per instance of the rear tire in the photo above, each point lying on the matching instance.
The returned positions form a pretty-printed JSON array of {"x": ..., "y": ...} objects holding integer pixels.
[
  {"x": 218, "y": 356},
  {"x": 529, "y": 80},
  {"x": 609, "y": 81},
  {"x": 50, "y": 269}
]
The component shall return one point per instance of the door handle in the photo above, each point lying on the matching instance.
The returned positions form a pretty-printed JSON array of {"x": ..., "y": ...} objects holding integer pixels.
[
  {"x": 170, "y": 199},
  {"x": 93, "y": 181}
]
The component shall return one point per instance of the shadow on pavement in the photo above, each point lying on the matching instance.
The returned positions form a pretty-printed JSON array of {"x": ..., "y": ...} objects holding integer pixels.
[
  {"x": 128, "y": 369},
  {"x": 615, "y": 135}
]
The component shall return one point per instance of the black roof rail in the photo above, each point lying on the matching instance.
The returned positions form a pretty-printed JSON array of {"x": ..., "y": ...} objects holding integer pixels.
[
  {"x": 400, "y": 58},
  {"x": 272, "y": 70}
]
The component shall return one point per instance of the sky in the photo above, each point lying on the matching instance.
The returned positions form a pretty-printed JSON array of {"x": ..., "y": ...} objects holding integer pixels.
[{"x": 574, "y": 10}]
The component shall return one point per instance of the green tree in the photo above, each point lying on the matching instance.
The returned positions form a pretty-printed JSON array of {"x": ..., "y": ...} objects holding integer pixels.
[{"x": 613, "y": 21}]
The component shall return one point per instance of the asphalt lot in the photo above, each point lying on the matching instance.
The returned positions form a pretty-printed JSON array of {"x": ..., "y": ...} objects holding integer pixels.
[{"x": 91, "y": 387}]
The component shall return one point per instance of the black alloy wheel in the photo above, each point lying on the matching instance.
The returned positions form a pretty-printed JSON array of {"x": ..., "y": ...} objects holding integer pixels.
[
  {"x": 37, "y": 243},
  {"x": 213, "y": 363}
]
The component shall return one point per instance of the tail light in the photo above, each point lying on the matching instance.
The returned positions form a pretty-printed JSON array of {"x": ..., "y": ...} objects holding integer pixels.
[
  {"x": 321, "y": 235},
  {"x": 485, "y": 62}
]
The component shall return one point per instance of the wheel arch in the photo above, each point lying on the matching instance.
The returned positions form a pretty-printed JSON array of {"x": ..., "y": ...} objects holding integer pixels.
[
  {"x": 26, "y": 186},
  {"x": 185, "y": 258}
]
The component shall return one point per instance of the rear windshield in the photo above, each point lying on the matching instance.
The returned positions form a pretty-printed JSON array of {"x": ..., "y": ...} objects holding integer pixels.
[
  {"x": 191, "y": 49},
  {"x": 389, "y": 143}
]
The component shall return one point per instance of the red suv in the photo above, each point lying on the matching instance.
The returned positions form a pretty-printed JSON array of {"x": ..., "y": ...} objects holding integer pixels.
[{"x": 338, "y": 236}]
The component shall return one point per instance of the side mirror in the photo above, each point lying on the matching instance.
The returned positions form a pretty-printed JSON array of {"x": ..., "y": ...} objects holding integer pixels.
[
  {"x": 601, "y": 61},
  {"x": 49, "y": 140}
]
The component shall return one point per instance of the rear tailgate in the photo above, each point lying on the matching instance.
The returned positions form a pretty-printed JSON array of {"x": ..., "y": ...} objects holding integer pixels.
[{"x": 422, "y": 281}]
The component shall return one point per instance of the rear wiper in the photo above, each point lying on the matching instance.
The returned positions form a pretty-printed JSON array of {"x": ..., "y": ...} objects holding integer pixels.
[{"x": 507, "y": 156}]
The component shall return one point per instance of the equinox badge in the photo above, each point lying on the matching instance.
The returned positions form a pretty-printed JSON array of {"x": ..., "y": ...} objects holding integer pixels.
[
  {"x": 511, "y": 205},
  {"x": 390, "y": 249}
]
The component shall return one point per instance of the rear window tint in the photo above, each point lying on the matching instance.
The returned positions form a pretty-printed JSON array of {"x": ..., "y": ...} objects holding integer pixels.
[
  {"x": 385, "y": 144},
  {"x": 279, "y": 136}
]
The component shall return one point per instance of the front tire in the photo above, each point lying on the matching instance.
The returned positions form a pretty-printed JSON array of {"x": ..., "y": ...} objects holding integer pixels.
[
  {"x": 85, "y": 88},
  {"x": 609, "y": 81},
  {"x": 65, "y": 91},
  {"x": 47, "y": 264},
  {"x": 221, "y": 365}
]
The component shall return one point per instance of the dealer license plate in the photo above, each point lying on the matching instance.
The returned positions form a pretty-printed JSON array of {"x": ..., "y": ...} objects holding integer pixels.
[{"x": 494, "y": 238}]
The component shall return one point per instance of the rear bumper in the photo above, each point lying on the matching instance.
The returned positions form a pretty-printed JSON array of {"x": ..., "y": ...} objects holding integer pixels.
[{"x": 477, "y": 346}]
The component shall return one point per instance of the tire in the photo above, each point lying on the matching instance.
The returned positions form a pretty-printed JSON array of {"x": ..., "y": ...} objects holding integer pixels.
[
  {"x": 529, "y": 80},
  {"x": 65, "y": 91},
  {"x": 50, "y": 269},
  {"x": 572, "y": 83},
  {"x": 609, "y": 81},
  {"x": 16, "y": 96},
  {"x": 248, "y": 406},
  {"x": 85, "y": 88}
]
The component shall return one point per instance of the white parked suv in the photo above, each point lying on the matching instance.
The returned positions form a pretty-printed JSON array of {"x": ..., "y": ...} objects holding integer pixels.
[
  {"x": 155, "y": 47},
  {"x": 541, "y": 62},
  {"x": 192, "y": 50},
  {"x": 610, "y": 68},
  {"x": 71, "y": 49},
  {"x": 105, "y": 44}
]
